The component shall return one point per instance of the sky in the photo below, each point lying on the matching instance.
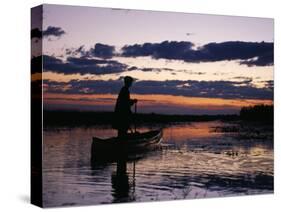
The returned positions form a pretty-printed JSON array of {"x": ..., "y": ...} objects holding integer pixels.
[{"x": 183, "y": 63}]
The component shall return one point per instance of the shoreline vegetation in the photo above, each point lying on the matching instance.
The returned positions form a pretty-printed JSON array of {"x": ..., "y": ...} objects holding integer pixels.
[{"x": 258, "y": 113}]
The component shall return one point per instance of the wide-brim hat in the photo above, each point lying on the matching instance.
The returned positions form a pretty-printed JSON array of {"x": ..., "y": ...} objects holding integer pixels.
[{"x": 128, "y": 79}]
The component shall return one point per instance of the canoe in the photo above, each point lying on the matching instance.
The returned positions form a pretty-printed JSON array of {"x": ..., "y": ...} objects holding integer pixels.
[{"x": 123, "y": 147}]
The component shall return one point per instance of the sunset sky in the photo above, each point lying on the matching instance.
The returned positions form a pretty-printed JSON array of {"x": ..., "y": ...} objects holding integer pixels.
[{"x": 183, "y": 63}]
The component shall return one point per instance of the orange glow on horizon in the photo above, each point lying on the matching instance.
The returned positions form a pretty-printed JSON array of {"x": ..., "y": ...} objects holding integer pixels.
[{"x": 151, "y": 100}]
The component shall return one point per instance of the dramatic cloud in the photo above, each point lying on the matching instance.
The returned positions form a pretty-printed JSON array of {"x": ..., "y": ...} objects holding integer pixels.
[
  {"x": 269, "y": 84},
  {"x": 84, "y": 86},
  {"x": 213, "y": 89},
  {"x": 103, "y": 51},
  {"x": 189, "y": 88},
  {"x": 82, "y": 66},
  {"x": 80, "y": 51},
  {"x": 53, "y": 31},
  {"x": 266, "y": 59},
  {"x": 173, "y": 71},
  {"x": 36, "y": 33},
  {"x": 50, "y": 31},
  {"x": 251, "y": 53},
  {"x": 166, "y": 50},
  {"x": 36, "y": 65},
  {"x": 100, "y": 50}
]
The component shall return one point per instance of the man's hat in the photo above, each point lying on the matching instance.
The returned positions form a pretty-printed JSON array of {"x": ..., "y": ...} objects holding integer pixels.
[{"x": 128, "y": 79}]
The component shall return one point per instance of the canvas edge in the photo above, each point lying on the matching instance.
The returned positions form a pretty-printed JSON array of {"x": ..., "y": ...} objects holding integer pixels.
[{"x": 36, "y": 177}]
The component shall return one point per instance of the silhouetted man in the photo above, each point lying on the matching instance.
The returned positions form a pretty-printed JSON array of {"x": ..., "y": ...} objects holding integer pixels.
[{"x": 122, "y": 112}]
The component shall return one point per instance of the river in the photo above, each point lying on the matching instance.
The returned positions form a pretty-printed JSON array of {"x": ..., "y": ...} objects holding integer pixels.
[{"x": 194, "y": 161}]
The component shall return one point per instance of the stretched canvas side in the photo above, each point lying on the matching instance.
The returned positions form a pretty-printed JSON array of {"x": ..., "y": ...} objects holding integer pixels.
[{"x": 36, "y": 105}]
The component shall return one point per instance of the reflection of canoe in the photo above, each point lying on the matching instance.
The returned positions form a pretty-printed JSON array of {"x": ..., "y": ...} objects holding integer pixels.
[{"x": 131, "y": 144}]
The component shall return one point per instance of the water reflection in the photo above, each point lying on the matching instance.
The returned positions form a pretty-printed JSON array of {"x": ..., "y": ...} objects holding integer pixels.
[
  {"x": 121, "y": 187},
  {"x": 194, "y": 162},
  {"x": 123, "y": 183}
]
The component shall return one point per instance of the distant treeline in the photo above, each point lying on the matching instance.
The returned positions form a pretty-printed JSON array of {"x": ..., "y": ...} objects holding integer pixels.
[
  {"x": 77, "y": 118},
  {"x": 258, "y": 113},
  {"x": 261, "y": 113}
]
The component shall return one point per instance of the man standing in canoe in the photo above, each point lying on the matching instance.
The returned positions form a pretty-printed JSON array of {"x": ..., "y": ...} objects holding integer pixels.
[{"x": 122, "y": 112}]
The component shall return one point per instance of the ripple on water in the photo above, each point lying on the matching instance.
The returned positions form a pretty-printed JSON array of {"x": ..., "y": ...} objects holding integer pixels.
[{"x": 193, "y": 162}]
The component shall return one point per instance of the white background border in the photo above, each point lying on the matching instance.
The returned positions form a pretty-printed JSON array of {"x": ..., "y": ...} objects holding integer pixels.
[{"x": 15, "y": 102}]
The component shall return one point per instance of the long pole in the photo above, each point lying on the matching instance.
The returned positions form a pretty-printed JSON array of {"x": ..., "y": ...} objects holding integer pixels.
[{"x": 135, "y": 117}]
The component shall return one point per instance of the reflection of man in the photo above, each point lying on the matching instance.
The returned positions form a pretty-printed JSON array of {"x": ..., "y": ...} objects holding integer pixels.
[
  {"x": 120, "y": 182},
  {"x": 123, "y": 113}
]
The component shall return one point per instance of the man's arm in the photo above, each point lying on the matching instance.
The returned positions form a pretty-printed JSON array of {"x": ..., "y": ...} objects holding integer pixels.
[{"x": 133, "y": 101}]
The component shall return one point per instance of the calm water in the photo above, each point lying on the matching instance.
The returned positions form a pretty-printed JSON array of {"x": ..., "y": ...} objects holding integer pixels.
[{"x": 193, "y": 162}]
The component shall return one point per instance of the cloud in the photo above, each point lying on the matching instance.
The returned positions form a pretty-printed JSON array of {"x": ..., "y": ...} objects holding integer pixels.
[
  {"x": 211, "y": 89},
  {"x": 53, "y": 31},
  {"x": 50, "y": 31},
  {"x": 84, "y": 86},
  {"x": 269, "y": 84},
  {"x": 103, "y": 51},
  {"x": 82, "y": 65},
  {"x": 157, "y": 70},
  {"x": 166, "y": 49},
  {"x": 36, "y": 64},
  {"x": 189, "y": 88},
  {"x": 100, "y": 50},
  {"x": 80, "y": 51},
  {"x": 250, "y": 53},
  {"x": 36, "y": 33},
  {"x": 263, "y": 60}
]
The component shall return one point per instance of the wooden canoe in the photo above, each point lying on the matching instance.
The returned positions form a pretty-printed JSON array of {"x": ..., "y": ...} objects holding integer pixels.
[{"x": 122, "y": 147}]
